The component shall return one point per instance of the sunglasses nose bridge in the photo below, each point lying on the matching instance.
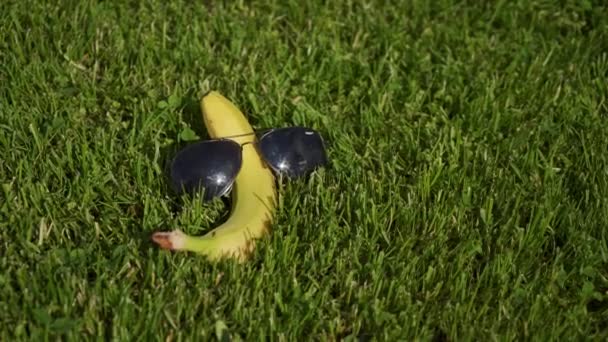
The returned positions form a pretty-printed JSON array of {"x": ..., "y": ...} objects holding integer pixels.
[
  {"x": 241, "y": 139},
  {"x": 252, "y": 142}
]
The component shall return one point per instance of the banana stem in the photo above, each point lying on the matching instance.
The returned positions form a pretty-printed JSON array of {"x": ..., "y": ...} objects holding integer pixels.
[
  {"x": 175, "y": 240},
  {"x": 178, "y": 241}
]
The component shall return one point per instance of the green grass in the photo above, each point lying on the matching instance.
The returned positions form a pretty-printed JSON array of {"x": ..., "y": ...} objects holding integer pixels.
[{"x": 466, "y": 197}]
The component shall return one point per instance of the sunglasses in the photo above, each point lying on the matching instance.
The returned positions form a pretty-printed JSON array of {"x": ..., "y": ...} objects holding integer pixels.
[{"x": 213, "y": 165}]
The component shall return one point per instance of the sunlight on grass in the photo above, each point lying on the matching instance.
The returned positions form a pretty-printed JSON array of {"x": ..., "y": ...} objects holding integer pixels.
[{"x": 466, "y": 196}]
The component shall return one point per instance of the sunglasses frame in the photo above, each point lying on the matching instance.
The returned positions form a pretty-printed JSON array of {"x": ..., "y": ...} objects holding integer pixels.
[{"x": 259, "y": 137}]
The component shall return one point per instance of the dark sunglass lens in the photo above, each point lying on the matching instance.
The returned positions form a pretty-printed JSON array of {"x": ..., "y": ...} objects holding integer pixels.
[
  {"x": 209, "y": 166},
  {"x": 293, "y": 151}
]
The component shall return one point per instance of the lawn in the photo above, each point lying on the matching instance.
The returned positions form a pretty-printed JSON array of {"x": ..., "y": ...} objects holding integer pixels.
[{"x": 466, "y": 196}]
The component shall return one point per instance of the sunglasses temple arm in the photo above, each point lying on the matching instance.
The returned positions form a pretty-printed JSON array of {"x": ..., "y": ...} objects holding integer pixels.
[{"x": 260, "y": 132}]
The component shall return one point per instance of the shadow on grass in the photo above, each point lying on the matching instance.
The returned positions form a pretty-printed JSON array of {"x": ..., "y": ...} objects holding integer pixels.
[{"x": 192, "y": 115}]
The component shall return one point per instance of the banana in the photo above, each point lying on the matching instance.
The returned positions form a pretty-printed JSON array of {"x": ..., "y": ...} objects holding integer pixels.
[{"x": 254, "y": 195}]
